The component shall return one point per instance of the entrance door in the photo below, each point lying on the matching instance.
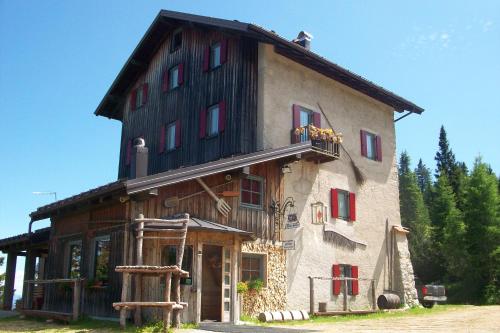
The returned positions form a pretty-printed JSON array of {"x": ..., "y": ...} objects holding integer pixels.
[{"x": 211, "y": 288}]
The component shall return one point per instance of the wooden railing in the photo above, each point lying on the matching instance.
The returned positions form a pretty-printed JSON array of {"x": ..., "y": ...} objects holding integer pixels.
[
  {"x": 327, "y": 146},
  {"x": 31, "y": 288}
]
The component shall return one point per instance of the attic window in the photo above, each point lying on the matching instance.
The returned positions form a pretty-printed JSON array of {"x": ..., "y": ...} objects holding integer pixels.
[
  {"x": 215, "y": 55},
  {"x": 176, "y": 42}
]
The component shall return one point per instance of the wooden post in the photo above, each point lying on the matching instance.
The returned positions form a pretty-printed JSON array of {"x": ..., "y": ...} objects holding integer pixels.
[
  {"x": 138, "y": 298},
  {"x": 374, "y": 304},
  {"x": 345, "y": 294},
  {"x": 311, "y": 296},
  {"x": 166, "y": 293},
  {"x": 76, "y": 299},
  {"x": 198, "y": 273},
  {"x": 176, "y": 320},
  {"x": 10, "y": 276},
  {"x": 123, "y": 310},
  {"x": 138, "y": 279},
  {"x": 29, "y": 274}
]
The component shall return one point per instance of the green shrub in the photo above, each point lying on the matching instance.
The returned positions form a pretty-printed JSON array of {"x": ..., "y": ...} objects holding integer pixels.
[
  {"x": 242, "y": 287},
  {"x": 256, "y": 285}
]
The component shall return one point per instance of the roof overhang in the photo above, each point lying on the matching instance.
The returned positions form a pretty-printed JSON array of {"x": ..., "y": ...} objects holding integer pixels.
[
  {"x": 112, "y": 192},
  {"x": 22, "y": 242},
  {"x": 111, "y": 104}
]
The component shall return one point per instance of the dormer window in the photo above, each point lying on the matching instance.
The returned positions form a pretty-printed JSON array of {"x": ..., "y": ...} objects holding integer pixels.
[{"x": 176, "y": 42}]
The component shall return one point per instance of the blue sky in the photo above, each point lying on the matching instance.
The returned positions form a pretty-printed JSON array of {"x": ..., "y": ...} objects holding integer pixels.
[{"x": 57, "y": 60}]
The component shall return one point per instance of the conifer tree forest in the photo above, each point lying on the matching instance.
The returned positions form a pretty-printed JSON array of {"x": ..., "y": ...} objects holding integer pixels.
[{"x": 453, "y": 214}]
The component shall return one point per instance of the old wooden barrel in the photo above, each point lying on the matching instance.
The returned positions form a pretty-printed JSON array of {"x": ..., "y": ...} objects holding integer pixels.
[{"x": 388, "y": 301}]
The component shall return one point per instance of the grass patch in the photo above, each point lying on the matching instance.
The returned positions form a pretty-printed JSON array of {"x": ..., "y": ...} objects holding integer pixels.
[
  {"x": 84, "y": 325},
  {"x": 378, "y": 315}
]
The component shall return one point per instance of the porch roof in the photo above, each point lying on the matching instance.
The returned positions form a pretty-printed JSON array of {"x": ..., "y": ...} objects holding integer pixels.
[
  {"x": 204, "y": 225},
  {"x": 23, "y": 241}
]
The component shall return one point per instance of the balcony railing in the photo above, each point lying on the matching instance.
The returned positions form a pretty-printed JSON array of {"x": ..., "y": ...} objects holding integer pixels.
[{"x": 325, "y": 141}]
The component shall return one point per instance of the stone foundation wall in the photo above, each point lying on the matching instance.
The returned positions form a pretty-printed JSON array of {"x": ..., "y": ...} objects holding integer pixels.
[
  {"x": 404, "y": 272},
  {"x": 273, "y": 296}
]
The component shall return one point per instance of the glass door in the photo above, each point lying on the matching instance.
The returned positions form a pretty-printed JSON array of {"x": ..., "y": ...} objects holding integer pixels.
[{"x": 226, "y": 284}]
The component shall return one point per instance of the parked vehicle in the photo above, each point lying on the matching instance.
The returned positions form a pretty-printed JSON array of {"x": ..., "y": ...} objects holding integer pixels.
[{"x": 429, "y": 294}]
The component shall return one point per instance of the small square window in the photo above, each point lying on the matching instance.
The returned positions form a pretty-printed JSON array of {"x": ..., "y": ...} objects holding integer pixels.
[
  {"x": 170, "y": 137},
  {"x": 213, "y": 120},
  {"x": 215, "y": 55},
  {"x": 176, "y": 42},
  {"x": 253, "y": 267},
  {"x": 173, "y": 77},
  {"x": 343, "y": 204},
  {"x": 252, "y": 192}
]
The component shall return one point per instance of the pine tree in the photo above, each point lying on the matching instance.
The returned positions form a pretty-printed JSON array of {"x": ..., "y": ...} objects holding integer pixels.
[
  {"x": 445, "y": 159},
  {"x": 456, "y": 172},
  {"x": 415, "y": 216},
  {"x": 449, "y": 232},
  {"x": 424, "y": 181},
  {"x": 482, "y": 223}
]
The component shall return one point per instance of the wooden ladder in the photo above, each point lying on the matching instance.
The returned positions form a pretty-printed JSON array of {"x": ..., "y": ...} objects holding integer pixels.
[{"x": 165, "y": 229}]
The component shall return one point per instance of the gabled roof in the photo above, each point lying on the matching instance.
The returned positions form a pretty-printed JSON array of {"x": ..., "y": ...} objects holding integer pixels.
[
  {"x": 133, "y": 186},
  {"x": 167, "y": 20}
]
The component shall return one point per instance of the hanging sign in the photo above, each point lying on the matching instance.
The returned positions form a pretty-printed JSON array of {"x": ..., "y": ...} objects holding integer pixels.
[
  {"x": 292, "y": 221},
  {"x": 289, "y": 245}
]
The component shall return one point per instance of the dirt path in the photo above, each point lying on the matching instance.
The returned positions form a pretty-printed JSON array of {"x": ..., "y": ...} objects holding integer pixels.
[{"x": 463, "y": 319}]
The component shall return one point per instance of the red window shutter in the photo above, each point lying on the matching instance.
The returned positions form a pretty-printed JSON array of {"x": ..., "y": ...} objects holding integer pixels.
[
  {"x": 336, "y": 283},
  {"x": 295, "y": 122},
  {"x": 363, "y": 143},
  {"x": 203, "y": 123},
  {"x": 133, "y": 99},
  {"x": 223, "y": 51},
  {"x": 352, "y": 207},
  {"x": 144, "y": 93},
  {"x": 177, "y": 133},
  {"x": 317, "y": 119},
  {"x": 165, "y": 82},
  {"x": 222, "y": 116},
  {"x": 206, "y": 59},
  {"x": 161, "y": 148},
  {"x": 378, "y": 144},
  {"x": 180, "y": 74},
  {"x": 355, "y": 283},
  {"x": 335, "y": 203},
  {"x": 128, "y": 154}
]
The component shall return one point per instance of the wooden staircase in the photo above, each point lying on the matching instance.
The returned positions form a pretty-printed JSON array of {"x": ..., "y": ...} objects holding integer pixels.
[{"x": 174, "y": 230}]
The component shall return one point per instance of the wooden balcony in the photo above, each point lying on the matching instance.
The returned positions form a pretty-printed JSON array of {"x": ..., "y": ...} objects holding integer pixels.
[{"x": 326, "y": 144}]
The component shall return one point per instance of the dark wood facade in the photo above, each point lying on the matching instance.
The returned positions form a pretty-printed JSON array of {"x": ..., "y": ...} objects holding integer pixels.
[
  {"x": 234, "y": 82},
  {"x": 113, "y": 220}
]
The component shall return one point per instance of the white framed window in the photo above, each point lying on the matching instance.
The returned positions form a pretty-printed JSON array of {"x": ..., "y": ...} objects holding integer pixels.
[
  {"x": 213, "y": 120},
  {"x": 253, "y": 267},
  {"x": 252, "y": 192},
  {"x": 215, "y": 55},
  {"x": 173, "y": 76},
  {"x": 170, "y": 132}
]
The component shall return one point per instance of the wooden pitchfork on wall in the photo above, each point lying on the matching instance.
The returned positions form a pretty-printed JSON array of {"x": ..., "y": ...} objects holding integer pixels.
[{"x": 222, "y": 206}]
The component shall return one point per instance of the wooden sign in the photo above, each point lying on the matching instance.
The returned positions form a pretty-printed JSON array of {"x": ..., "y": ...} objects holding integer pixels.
[{"x": 289, "y": 245}]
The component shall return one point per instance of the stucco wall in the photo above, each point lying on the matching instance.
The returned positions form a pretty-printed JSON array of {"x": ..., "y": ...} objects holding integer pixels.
[
  {"x": 273, "y": 296},
  {"x": 283, "y": 83}
]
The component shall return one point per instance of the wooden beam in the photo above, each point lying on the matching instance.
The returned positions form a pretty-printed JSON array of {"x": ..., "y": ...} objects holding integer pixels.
[{"x": 10, "y": 276}]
